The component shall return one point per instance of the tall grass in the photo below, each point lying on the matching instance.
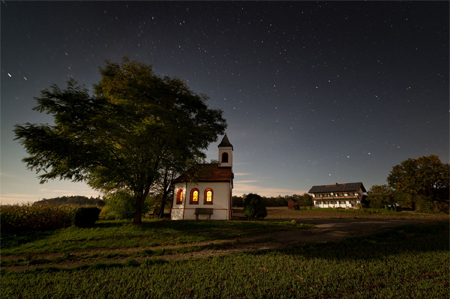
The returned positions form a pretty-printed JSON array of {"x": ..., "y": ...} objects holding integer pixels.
[
  {"x": 122, "y": 234},
  {"x": 403, "y": 262},
  {"x": 27, "y": 217}
]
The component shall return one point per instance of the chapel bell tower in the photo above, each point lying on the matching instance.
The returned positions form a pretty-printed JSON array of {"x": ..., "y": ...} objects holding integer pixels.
[{"x": 225, "y": 153}]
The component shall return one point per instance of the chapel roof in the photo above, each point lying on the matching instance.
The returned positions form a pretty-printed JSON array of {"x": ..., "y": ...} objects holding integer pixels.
[
  {"x": 338, "y": 188},
  {"x": 206, "y": 173},
  {"x": 225, "y": 142}
]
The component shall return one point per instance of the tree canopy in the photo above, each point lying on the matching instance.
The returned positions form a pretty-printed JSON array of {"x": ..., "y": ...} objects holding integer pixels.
[
  {"x": 135, "y": 126},
  {"x": 381, "y": 195},
  {"x": 73, "y": 200},
  {"x": 424, "y": 177}
]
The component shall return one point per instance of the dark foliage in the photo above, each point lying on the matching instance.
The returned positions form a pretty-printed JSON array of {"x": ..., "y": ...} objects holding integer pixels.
[
  {"x": 73, "y": 200},
  {"x": 254, "y": 206},
  {"x": 293, "y": 205},
  {"x": 86, "y": 216},
  {"x": 28, "y": 218},
  {"x": 304, "y": 200}
]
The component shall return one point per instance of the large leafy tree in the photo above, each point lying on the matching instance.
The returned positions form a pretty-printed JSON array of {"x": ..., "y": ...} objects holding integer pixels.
[
  {"x": 381, "y": 195},
  {"x": 124, "y": 136},
  {"x": 425, "y": 177}
]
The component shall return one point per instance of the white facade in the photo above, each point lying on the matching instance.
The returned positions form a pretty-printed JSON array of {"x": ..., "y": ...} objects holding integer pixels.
[
  {"x": 221, "y": 201},
  {"x": 337, "y": 203}
]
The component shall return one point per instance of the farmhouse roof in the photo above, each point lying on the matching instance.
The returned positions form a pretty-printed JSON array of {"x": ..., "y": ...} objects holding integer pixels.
[
  {"x": 338, "y": 188},
  {"x": 206, "y": 173},
  {"x": 225, "y": 142}
]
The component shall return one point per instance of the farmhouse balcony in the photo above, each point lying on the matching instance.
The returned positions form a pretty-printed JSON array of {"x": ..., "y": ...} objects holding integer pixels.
[{"x": 336, "y": 197}]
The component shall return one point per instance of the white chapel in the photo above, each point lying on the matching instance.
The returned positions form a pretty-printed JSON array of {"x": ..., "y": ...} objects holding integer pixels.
[{"x": 205, "y": 191}]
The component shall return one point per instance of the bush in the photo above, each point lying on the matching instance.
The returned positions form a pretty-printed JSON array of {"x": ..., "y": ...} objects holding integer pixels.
[
  {"x": 441, "y": 207},
  {"x": 293, "y": 205},
  {"x": 86, "y": 216},
  {"x": 238, "y": 201},
  {"x": 107, "y": 214},
  {"x": 254, "y": 206},
  {"x": 123, "y": 205},
  {"x": 26, "y": 217},
  {"x": 423, "y": 204}
]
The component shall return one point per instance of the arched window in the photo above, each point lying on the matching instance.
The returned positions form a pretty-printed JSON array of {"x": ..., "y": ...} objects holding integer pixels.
[
  {"x": 225, "y": 158},
  {"x": 194, "y": 196},
  {"x": 208, "y": 199},
  {"x": 179, "y": 196}
]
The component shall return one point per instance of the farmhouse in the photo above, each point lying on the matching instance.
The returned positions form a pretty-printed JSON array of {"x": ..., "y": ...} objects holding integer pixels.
[
  {"x": 347, "y": 195},
  {"x": 205, "y": 191}
]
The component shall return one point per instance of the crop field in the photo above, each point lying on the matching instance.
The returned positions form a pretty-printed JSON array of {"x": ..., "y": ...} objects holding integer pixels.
[{"x": 223, "y": 259}]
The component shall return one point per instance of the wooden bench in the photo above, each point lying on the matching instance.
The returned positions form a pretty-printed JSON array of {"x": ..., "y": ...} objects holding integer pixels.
[{"x": 203, "y": 211}]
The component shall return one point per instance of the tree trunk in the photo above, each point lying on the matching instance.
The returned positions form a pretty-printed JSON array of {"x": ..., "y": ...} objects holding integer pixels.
[
  {"x": 161, "y": 211},
  {"x": 163, "y": 203},
  {"x": 140, "y": 206},
  {"x": 166, "y": 187}
]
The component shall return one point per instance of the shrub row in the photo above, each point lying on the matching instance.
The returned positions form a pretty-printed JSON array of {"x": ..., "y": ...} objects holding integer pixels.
[
  {"x": 279, "y": 201},
  {"x": 26, "y": 217}
]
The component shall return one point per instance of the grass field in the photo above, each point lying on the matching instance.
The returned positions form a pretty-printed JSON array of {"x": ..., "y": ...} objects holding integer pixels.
[
  {"x": 367, "y": 213},
  {"x": 116, "y": 259}
]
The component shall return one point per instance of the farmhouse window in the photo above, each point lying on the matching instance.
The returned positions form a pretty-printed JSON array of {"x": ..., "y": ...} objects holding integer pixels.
[
  {"x": 179, "y": 196},
  {"x": 208, "y": 199},
  {"x": 194, "y": 196}
]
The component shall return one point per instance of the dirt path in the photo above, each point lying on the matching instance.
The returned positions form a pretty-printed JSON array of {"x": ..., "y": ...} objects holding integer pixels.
[{"x": 325, "y": 230}]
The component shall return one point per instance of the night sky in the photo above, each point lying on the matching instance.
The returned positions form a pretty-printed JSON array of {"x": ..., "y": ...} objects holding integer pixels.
[{"x": 313, "y": 93}]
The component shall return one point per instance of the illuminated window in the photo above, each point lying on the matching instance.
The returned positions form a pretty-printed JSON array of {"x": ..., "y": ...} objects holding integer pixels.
[
  {"x": 179, "y": 196},
  {"x": 225, "y": 158},
  {"x": 208, "y": 197},
  {"x": 194, "y": 196}
]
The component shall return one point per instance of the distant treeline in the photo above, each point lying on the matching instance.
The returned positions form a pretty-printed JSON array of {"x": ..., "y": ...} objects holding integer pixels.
[
  {"x": 279, "y": 201},
  {"x": 73, "y": 200}
]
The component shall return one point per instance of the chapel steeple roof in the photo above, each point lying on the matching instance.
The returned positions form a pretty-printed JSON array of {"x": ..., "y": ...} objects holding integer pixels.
[{"x": 225, "y": 142}]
